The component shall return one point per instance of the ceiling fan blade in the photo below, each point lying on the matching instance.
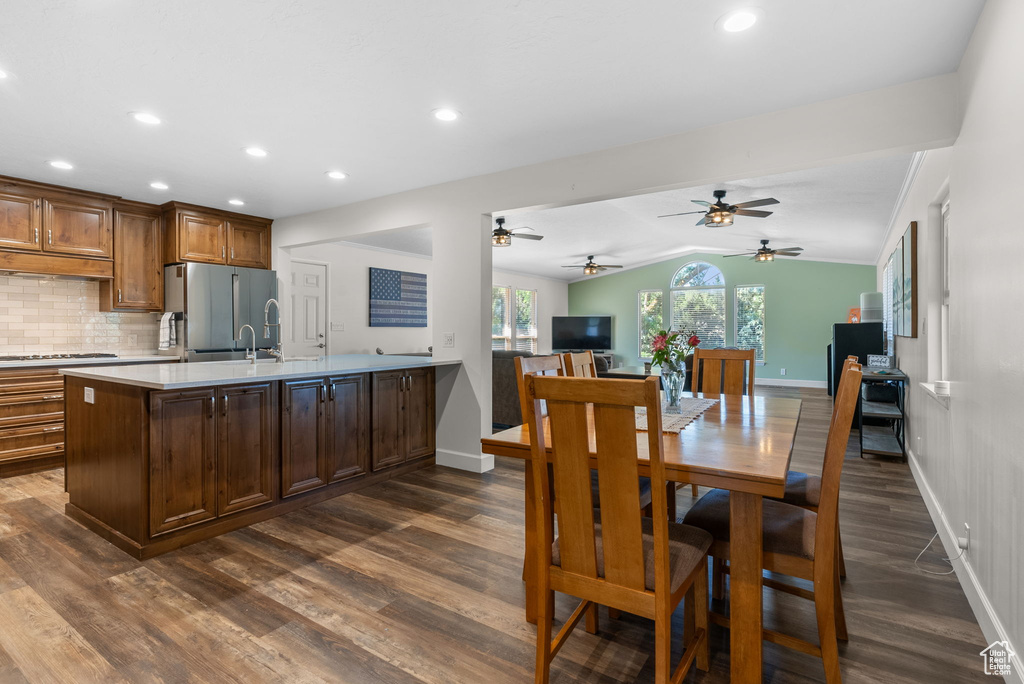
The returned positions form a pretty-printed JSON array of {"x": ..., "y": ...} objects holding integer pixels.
[
  {"x": 702, "y": 221},
  {"x": 701, "y": 202},
  {"x": 742, "y": 254},
  {"x": 757, "y": 203},
  {"x": 790, "y": 249},
  {"x": 520, "y": 236},
  {"x": 752, "y": 212},
  {"x": 787, "y": 254},
  {"x": 576, "y": 266},
  {"x": 682, "y": 214},
  {"x": 607, "y": 266}
]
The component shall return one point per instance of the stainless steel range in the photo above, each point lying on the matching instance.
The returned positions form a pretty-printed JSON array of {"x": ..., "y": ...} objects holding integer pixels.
[{"x": 47, "y": 357}]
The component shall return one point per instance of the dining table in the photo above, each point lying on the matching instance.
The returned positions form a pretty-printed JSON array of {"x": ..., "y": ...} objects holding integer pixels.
[{"x": 742, "y": 444}]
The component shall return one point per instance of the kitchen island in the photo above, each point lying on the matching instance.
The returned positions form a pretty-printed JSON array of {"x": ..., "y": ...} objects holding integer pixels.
[{"x": 166, "y": 455}]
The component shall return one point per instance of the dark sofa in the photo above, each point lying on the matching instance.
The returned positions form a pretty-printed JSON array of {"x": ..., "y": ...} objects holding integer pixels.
[{"x": 505, "y": 410}]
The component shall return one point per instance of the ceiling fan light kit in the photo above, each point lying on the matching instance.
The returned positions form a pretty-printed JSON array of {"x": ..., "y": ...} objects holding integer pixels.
[
  {"x": 502, "y": 237},
  {"x": 766, "y": 253},
  {"x": 721, "y": 213}
]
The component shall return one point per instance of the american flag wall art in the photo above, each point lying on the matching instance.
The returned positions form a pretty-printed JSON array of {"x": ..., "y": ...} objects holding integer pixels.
[{"x": 398, "y": 299}]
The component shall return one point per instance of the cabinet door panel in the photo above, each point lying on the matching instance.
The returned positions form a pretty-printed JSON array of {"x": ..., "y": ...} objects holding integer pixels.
[
  {"x": 419, "y": 412},
  {"x": 77, "y": 227},
  {"x": 303, "y": 448},
  {"x": 388, "y": 420},
  {"x": 348, "y": 438},
  {"x": 182, "y": 459},
  {"x": 201, "y": 238},
  {"x": 138, "y": 262},
  {"x": 248, "y": 244},
  {"x": 245, "y": 433},
  {"x": 19, "y": 222}
]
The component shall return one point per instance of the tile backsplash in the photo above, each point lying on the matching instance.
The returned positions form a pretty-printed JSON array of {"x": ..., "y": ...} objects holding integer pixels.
[{"x": 39, "y": 316}]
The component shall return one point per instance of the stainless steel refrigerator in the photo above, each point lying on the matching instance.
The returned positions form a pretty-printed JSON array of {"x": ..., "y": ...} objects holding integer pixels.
[{"x": 212, "y": 303}]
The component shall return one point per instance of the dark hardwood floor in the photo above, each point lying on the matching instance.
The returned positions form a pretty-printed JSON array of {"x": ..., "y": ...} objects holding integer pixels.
[{"x": 418, "y": 580}]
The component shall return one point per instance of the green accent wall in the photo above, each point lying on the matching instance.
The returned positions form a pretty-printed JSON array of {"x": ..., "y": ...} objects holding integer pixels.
[{"x": 802, "y": 301}]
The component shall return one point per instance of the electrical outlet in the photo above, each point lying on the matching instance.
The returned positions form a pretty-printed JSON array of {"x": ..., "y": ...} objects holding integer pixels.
[
  {"x": 448, "y": 340},
  {"x": 133, "y": 340},
  {"x": 90, "y": 395},
  {"x": 782, "y": 371}
]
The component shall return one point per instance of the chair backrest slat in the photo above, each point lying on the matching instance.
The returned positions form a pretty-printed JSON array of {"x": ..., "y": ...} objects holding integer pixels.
[
  {"x": 579, "y": 364},
  {"x": 577, "y": 408},
  {"x": 540, "y": 365},
  {"x": 724, "y": 371},
  {"x": 835, "y": 453}
]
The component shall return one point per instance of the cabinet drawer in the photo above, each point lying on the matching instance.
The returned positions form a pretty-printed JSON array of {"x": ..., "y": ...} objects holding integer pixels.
[
  {"x": 29, "y": 452},
  {"x": 17, "y": 439},
  {"x": 12, "y": 405}
]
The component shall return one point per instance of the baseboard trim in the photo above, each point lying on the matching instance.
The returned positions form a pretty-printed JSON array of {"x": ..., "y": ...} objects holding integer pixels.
[
  {"x": 474, "y": 463},
  {"x": 779, "y": 382},
  {"x": 991, "y": 626}
]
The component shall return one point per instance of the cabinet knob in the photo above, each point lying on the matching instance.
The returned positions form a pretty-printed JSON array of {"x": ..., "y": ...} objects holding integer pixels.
[
  {"x": 223, "y": 251},
  {"x": 49, "y": 236},
  {"x": 37, "y": 236},
  {"x": 118, "y": 295},
  {"x": 213, "y": 400}
]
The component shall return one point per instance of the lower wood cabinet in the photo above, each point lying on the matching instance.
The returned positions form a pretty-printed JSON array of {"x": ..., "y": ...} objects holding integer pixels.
[
  {"x": 31, "y": 420},
  {"x": 211, "y": 453},
  {"x": 303, "y": 436},
  {"x": 403, "y": 416},
  {"x": 348, "y": 427}
]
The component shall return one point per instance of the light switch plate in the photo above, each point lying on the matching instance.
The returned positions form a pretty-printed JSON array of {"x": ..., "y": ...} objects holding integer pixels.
[
  {"x": 90, "y": 395},
  {"x": 338, "y": 327}
]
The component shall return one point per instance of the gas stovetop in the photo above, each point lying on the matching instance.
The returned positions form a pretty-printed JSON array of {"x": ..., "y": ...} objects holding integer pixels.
[{"x": 49, "y": 357}]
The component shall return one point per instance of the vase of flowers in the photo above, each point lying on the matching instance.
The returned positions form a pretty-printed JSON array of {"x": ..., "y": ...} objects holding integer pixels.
[{"x": 670, "y": 352}]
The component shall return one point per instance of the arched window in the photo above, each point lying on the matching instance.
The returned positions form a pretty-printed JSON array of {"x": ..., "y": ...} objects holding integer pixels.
[{"x": 698, "y": 302}]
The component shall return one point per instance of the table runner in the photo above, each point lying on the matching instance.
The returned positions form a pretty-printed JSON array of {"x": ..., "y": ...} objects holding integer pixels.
[{"x": 689, "y": 409}]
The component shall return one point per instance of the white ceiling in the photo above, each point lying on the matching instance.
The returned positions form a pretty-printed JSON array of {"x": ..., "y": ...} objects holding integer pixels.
[
  {"x": 836, "y": 213},
  {"x": 326, "y": 84}
]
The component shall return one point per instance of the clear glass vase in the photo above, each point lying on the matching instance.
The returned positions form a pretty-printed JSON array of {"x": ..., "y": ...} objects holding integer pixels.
[{"x": 673, "y": 379}]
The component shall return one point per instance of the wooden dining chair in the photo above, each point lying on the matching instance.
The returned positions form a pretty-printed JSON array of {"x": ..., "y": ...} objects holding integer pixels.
[
  {"x": 722, "y": 371},
  {"x": 641, "y": 565},
  {"x": 799, "y": 542},
  {"x": 804, "y": 489},
  {"x": 579, "y": 364}
]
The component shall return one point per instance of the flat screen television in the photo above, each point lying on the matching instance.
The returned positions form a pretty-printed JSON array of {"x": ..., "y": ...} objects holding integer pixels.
[{"x": 577, "y": 333}]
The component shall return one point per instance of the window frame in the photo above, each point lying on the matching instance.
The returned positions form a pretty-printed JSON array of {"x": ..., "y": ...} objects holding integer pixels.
[
  {"x": 508, "y": 318},
  {"x": 675, "y": 290},
  {"x": 639, "y": 320},
  {"x": 736, "y": 320}
]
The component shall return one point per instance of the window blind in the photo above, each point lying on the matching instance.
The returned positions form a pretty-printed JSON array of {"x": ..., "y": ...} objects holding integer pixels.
[
  {"x": 701, "y": 310},
  {"x": 750, "y": 318},
  {"x": 501, "y": 317}
]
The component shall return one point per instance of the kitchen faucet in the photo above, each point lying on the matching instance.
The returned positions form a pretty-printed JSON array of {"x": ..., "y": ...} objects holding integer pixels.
[
  {"x": 249, "y": 355},
  {"x": 277, "y": 352}
]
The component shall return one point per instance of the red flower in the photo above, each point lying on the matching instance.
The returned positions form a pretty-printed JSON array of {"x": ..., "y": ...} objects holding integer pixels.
[
  {"x": 659, "y": 343},
  {"x": 693, "y": 341}
]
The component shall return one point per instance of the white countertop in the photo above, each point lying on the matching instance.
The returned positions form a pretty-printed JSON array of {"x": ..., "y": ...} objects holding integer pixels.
[
  {"x": 102, "y": 361},
  {"x": 208, "y": 374}
]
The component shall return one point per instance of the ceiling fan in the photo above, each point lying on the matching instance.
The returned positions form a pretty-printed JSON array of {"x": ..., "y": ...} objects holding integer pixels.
[
  {"x": 590, "y": 268},
  {"x": 765, "y": 253},
  {"x": 720, "y": 212},
  {"x": 502, "y": 237}
]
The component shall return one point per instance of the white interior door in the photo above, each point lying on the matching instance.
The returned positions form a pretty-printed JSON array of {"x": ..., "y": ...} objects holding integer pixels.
[{"x": 309, "y": 309}]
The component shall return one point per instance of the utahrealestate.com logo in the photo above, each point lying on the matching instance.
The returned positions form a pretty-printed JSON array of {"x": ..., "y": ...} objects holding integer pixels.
[{"x": 997, "y": 659}]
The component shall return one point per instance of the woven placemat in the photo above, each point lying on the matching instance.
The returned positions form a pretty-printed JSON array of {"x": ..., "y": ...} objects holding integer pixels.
[{"x": 689, "y": 409}]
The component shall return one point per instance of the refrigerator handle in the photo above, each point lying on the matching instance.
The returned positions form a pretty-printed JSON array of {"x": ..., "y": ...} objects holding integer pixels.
[{"x": 234, "y": 307}]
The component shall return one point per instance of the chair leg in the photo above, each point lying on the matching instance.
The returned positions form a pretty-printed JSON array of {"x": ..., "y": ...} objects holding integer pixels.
[
  {"x": 824, "y": 608},
  {"x": 544, "y": 616},
  {"x": 717, "y": 578},
  {"x": 614, "y": 613},
  {"x": 695, "y": 491},
  {"x": 839, "y": 552},
  {"x": 700, "y": 608},
  {"x": 841, "y": 632},
  {"x": 592, "y": 620},
  {"x": 663, "y": 647}
]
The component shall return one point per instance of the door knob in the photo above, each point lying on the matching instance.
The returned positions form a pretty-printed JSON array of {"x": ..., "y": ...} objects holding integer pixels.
[{"x": 321, "y": 345}]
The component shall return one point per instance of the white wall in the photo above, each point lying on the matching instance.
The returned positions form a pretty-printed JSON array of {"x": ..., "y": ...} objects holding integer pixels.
[
  {"x": 552, "y": 300},
  {"x": 967, "y": 458},
  {"x": 348, "y": 299},
  {"x": 903, "y": 118}
]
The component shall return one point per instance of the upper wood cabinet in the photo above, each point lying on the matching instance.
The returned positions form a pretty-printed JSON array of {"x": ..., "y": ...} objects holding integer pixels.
[
  {"x": 138, "y": 283},
  {"x": 211, "y": 236},
  {"x": 19, "y": 222},
  {"x": 78, "y": 226}
]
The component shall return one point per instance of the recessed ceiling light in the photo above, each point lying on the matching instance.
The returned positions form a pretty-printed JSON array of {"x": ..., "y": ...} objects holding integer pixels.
[
  {"x": 58, "y": 164},
  {"x": 445, "y": 114},
  {"x": 256, "y": 151},
  {"x": 157, "y": 185},
  {"x": 337, "y": 175},
  {"x": 3, "y": 74},
  {"x": 146, "y": 118},
  {"x": 236, "y": 202},
  {"x": 739, "y": 20}
]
